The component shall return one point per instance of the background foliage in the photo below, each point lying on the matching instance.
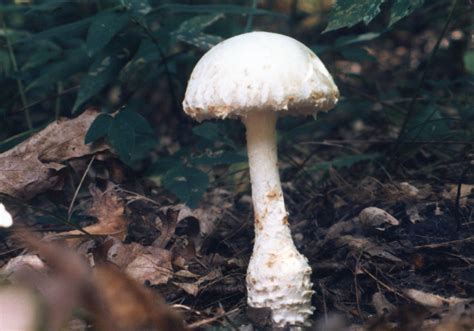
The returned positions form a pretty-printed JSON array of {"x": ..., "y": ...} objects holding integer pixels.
[{"x": 406, "y": 82}]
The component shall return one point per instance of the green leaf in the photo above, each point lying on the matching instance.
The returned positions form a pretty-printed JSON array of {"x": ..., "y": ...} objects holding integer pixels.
[
  {"x": 121, "y": 137},
  {"x": 347, "y": 13},
  {"x": 99, "y": 128},
  {"x": 188, "y": 184},
  {"x": 219, "y": 158},
  {"x": 198, "y": 23},
  {"x": 190, "y": 31},
  {"x": 103, "y": 28},
  {"x": 136, "y": 121},
  {"x": 104, "y": 70},
  {"x": 75, "y": 60},
  {"x": 469, "y": 61},
  {"x": 225, "y": 9},
  {"x": 62, "y": 31},
  {"x": 428, "y": 123},
  {"x": 402, "y": 8},
  {"x": 162, "y": 166},
  {"x": 208, "y": 130},
  {"x": 137, "y": 136},
  {"x": 213, "y": 132},
  {"x": 141, "y": 7}
]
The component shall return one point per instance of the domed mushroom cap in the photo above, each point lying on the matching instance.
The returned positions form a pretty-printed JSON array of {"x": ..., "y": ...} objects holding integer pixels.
[{"x": 259, "y": 71}]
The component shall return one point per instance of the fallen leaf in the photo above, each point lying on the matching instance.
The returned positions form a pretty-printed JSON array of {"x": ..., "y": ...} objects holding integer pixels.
[
  {"x": 144, "y": 264},
  {"x": 374, "y": 217},
  {"x": 34, "y": 165},
  {"x": 430, "y": 299},
  {"x": 382, "y": 305},
  {"x": 156, "y": 269},
  {"x": 365, "y": 245}
]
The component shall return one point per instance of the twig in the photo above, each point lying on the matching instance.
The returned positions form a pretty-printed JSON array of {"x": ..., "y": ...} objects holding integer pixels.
[
  {"x": 457, "y": 209},
  {"x": 211, "y": 319},
  {"x": 71, "y": 205},
  {"x": 446, "y": 243}
]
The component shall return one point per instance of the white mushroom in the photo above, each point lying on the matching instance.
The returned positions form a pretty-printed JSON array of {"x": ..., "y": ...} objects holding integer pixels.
[
  {"x": 5, "y": 217},
  {"x": 257, "y": 76}
]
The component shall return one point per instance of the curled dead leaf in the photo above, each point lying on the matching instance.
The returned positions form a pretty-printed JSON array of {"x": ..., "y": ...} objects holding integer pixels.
[
  {"x": 374, "y": 217},
  {"x": 34, "y": 165}
]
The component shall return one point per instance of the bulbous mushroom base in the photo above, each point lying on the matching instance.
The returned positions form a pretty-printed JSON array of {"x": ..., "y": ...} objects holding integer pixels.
[{"x": 279, "y": 279}]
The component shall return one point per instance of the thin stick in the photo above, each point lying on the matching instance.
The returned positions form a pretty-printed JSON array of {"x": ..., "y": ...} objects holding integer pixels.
[{"x": 71, "y": 206}]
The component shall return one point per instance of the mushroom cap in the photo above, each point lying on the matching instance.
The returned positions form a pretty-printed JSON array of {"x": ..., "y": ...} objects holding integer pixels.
[{"x": 259, "y": 71}]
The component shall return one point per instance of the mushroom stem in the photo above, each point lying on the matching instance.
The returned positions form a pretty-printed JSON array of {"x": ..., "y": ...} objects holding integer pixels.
[{"x": 278, "y": 276}]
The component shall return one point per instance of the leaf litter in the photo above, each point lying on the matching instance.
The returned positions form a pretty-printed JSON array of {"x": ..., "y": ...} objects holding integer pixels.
[{"x": 386, "y": 253}]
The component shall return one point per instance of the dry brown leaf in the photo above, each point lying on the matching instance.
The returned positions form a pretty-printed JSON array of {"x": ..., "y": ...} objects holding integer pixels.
[
  {"x": 432, "y": 300},
  {"x": 190, "y": 288},
  {"x": 155, "y": 269},
  {"x": 382, "y": 305},
  {"x": 464, "y": 198},
  {"x": 194, "y": 288},
  {"x": 367, "y": 246},
  {"x": 374, "y": 217},
  {"x": 152, "y": 264},
  {"x": 109, "y": 210},
  {"x": 33, "y": 166}
]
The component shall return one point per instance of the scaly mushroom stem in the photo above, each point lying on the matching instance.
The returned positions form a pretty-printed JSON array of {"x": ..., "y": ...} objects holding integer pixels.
[{"x": 278, "y": 276}]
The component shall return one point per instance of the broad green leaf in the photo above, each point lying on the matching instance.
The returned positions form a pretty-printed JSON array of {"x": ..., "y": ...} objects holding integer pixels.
[
  {"x": 469, "y": 61},
  {"x": 74, "y": 61},
  {"x": 427, "y": 123},
  {"x": 402, "y": 8},
  {"x": 144, "y": 67},
  {"x": 198, "y": 23},
  {"x": 344, "y": 161},
  {"x": 136, "y": 121},
  {"x": 121, "y": 137},
  {"x": 347, "y": 13},
  {"x": 346, "y": 41},
  {"x": 213, "y": 132},
  {"x": 219, "y": 158},
  {"x": 103, "y": 28},
  {"x": 141, "y": 7},
  {"x": 40, "y": 58},
  {"x": 190, "y": 31},
  {"x": 162, "y": 165},
  {"x": 202, "y": 41},
  {"x": 355, "y": 39},
  {"x": 62, "y": 31},
  {"x": 104, "y": 70},
  {"x": 138, "y": 130},
  {"x": 225, "y": 9},
  {"x": 188, "y": 184},
  {"x": 99, "y": 128}
]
